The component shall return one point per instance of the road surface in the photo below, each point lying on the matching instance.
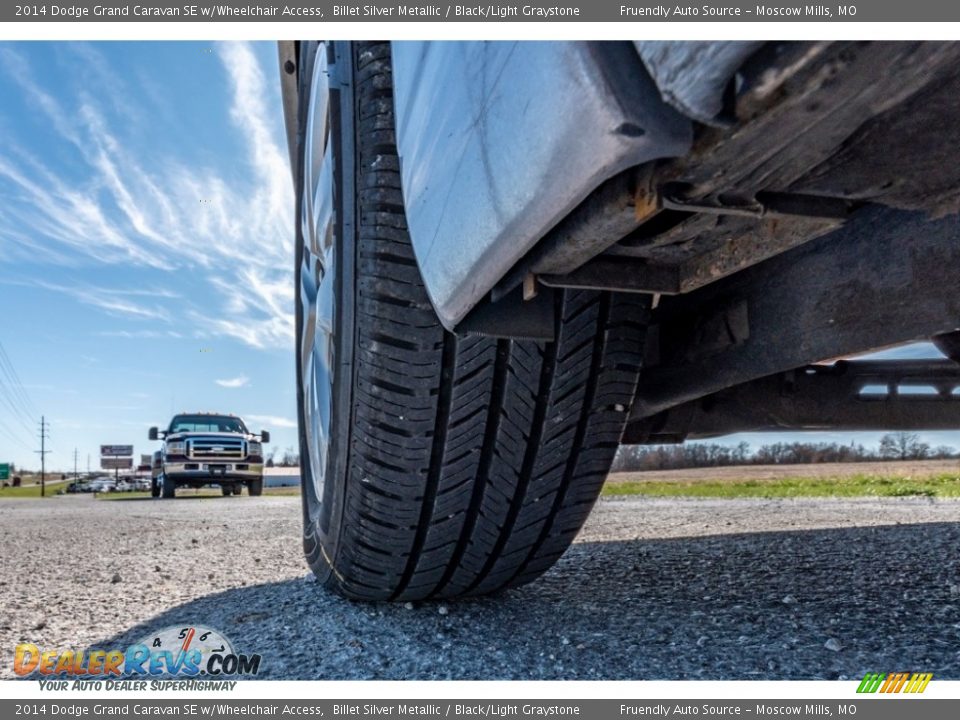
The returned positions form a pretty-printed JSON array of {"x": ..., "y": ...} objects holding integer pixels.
[{"x": 653, "y": 589}]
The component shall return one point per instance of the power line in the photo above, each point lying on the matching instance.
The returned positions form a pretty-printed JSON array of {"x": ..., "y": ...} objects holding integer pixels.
[
  {"x": 14, "y": 394},
  {"x": 16, "y": 413},
  {"x": 14, "y": 401},
  {"x": 11, "y": 372},
  {"x": 16, "y": 398},
  {"x": 13, "y": 436}
]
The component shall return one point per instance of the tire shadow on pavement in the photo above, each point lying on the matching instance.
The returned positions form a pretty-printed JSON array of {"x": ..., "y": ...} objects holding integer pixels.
[{"x": 813, "y": 604}]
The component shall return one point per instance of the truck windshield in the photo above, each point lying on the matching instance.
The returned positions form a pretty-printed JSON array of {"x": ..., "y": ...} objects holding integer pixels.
[{"x": 206, "y": 423}]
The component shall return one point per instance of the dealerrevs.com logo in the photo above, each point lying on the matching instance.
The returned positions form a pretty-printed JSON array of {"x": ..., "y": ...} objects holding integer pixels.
[{"x": 190, "y": 652}]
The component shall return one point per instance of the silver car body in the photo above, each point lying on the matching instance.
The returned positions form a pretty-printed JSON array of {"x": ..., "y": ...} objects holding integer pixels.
[{"x": 500, "y": 140}]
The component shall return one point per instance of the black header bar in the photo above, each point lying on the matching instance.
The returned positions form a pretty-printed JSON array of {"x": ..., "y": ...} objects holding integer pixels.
[{"x": 532, "y": 11}]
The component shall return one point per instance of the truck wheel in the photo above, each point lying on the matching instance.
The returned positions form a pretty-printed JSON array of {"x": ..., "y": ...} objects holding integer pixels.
[
  {"x": 255, "y": 487},
  {"x": 237, "y": 488},
  {"x": 154, "y": 488},
  {"x": 169, "y": 487},
  {"x": 226, "y": 490},
  {"x": 433, "y": 466}
]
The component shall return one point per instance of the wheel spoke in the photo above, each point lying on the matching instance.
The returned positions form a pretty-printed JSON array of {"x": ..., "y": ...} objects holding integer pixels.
[{"x": 317, "y": 272}]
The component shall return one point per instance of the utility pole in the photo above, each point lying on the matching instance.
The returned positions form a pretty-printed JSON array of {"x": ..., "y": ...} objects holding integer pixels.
[
  {"x": 43, "y": 455},
  {"x": 75, "y": 476}
]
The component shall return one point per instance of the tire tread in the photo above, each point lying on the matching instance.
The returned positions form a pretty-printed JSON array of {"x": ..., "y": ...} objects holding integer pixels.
[{"x": 473, "y": 461}]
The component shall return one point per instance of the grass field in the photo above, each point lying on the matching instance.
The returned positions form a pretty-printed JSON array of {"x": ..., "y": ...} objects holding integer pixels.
[
  {"x": 931, "y": 478},
  {"x": 31, "y": 491},
  {"x": 935, "y": 478}
]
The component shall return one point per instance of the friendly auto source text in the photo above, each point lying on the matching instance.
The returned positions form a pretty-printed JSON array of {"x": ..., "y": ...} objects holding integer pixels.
[
  {"x": 717, "y": 11},
  {"x": 716, "y": 709}
]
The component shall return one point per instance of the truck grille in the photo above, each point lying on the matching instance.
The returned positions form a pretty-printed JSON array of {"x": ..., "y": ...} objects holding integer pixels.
[{"x": 216, "y": 449}]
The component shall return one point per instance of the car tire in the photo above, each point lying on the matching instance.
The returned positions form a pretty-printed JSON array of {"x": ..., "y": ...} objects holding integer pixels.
[
  {"x": 255, "y": 487},
  {"x": 433, "y": 466},
  {"x": 169, "y": 487},
  {"x": 226, "y": 490},
  {"x": 237, "y": 488},
  {"x": 154, "y": 488}
]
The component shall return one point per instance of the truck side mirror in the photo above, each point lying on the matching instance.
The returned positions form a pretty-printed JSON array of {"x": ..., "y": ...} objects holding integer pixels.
[
  {"x": 264, "y": 436},
  {"x": 153, "y": 433}
]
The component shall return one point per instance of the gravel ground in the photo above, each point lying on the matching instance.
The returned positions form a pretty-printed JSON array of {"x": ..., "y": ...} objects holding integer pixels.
[{"x": 653, "y": 589}]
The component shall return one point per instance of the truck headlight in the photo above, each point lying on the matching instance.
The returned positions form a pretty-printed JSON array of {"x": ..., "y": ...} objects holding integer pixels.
[
  {"x": 254, "y": 448},
  {"x": 176, "y": 448}
]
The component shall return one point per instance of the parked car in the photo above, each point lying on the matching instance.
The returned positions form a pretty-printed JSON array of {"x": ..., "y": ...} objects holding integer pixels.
[
  {"x": 512, "y": 257},
  {"x": 99, "y": 485}
]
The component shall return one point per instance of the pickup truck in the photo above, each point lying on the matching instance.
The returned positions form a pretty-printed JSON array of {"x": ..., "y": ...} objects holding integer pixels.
[{"x": 207, "y": 449}]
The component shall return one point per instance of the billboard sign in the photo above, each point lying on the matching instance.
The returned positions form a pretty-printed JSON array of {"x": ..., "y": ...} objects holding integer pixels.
[
  {"x": 4, "y": 471},
  {"x": 116, "y": 463},
  {"x": 116, "y": 450}
]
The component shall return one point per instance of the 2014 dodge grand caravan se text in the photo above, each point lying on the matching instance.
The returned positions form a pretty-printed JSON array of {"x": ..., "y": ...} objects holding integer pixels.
[
  {"x": 208, "y": 449},
  {"x": 514, "y": 256}
]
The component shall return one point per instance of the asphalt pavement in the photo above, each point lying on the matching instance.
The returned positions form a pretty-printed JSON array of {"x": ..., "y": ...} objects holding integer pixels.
[{"x": 652, "y": 589}]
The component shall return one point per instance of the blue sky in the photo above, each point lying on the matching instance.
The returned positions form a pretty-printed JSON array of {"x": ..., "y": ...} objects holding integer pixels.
[{"x": 146, "y": 247}]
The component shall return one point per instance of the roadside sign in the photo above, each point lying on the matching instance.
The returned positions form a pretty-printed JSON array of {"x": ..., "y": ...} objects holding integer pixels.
[
  {"x": 146, "y": 460},
  {"x": 116, "y": 450},
  {"x": 116, "y": 463},
  {"x": 4, "y": 471}
]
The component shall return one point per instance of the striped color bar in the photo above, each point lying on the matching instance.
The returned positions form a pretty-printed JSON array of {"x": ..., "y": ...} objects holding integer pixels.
[
  {"x": 870, "y": 683},
  {"x": 918, "y": 683},
  {"x": 895, "y": 682}
]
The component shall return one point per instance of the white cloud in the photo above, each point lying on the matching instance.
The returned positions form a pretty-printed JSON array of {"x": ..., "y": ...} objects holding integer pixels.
[
  {"x": 141, "y": 334},
  {"x": 113, "y": 301},
  {"x": 237, "y": 382},
  {"x": 274, "y": 420},
  {"x": 120, "y": 207}
]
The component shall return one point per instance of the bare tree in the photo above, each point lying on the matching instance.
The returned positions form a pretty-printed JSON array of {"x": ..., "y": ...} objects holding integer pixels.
[
  {"x": 290, "y": 458},
  {"x": 903, "y": 446},
  {"x": 943, "y": 452}
]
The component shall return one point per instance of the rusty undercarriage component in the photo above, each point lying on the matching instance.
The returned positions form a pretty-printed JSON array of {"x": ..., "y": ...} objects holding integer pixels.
[
  {"x": 821, "y": 130},
  {"x": 820, "y": 223}
]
